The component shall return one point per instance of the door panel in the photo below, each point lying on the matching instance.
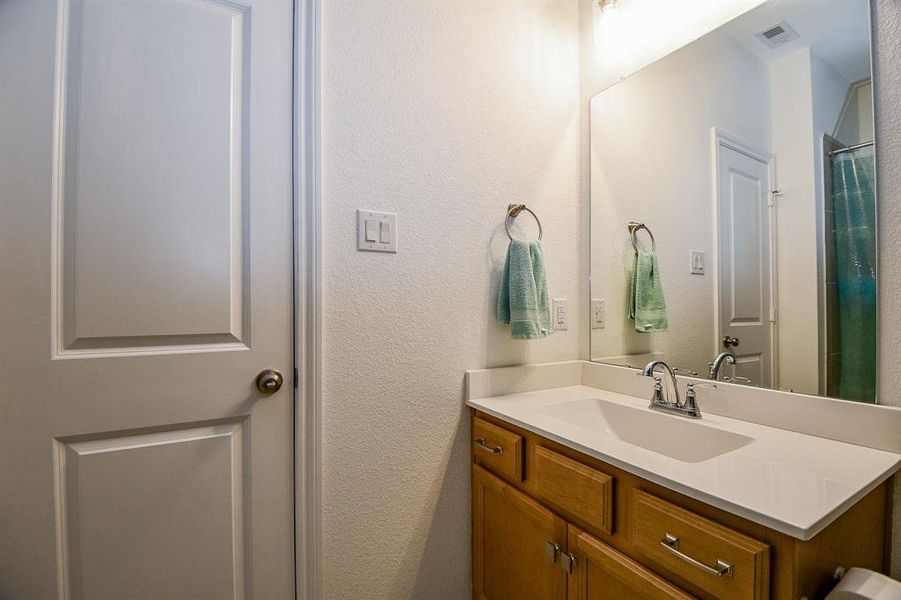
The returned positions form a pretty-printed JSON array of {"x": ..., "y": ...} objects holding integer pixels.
[
  {"x": 745, "y": 279},
  {"x": 116, "y": 187},
  {"x": 178, "y": 491},
  {"x": 146, "y": 205},
  {"x": 510, "y": 531},
  {"x": 746, "y": 293},
  {"x": 602, "y": 573}
]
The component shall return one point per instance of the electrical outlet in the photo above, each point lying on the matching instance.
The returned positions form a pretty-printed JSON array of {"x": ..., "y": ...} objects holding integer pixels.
[
  {"x": 560, "y": 314},
  {"x": 698, "y": 262},
  {"x": 598, "y": 313}
]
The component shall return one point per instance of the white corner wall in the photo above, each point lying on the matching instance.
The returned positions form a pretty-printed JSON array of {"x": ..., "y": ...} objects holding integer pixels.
[
  {"x": 807, "y": 98},
  {"x": 796, "y": 222},
  {"x": 443, "y": 112}
]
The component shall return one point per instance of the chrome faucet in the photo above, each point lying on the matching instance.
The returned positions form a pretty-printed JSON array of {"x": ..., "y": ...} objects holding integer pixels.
[
  {"x": 723, "y": 357},
  {"x": 660, "y": 399}
]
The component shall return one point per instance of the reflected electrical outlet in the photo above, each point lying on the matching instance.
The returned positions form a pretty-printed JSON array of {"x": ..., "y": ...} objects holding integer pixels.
[
  {"x": 598, "y": 313},
  {"x": 698, "y": 262}
]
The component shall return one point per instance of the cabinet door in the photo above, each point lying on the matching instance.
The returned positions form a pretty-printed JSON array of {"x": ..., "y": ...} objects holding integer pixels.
[
  {"x": 602, "y": 573},
  {"x": 510, "y": 536}
]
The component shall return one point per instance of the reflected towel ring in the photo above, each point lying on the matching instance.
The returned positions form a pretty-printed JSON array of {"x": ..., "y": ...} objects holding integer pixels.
[
  {"x": 634, "y": 227},
  {"x": 513, "y": 211}
]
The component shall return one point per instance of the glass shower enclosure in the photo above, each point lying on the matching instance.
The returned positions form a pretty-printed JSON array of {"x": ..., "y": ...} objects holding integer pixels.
[{"x": 850, "y": 272}]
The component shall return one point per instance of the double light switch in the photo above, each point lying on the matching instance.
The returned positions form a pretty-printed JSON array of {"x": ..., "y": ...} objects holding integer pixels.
[{"x": 376, "y": 231}]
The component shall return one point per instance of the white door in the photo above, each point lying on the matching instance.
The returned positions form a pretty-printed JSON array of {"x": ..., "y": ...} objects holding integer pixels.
[
  {"x": 745, "y": 267},
  {"x": 145, "y": 281}
]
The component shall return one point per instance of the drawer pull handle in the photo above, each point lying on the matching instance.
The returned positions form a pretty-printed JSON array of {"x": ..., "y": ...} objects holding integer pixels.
[
  {"x": 671, "y": 543},
  {"x": 480, "y": 442}
]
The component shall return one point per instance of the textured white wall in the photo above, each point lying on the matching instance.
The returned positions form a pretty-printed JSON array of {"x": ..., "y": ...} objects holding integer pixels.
[
  {"x": 443, "y": 112},
  {"x": 654, "y": 166},
  {"x": 887, "y": 94}
]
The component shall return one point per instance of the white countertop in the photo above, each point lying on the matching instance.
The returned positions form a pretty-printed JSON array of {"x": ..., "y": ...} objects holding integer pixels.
[{"x": 791, "y": 482}]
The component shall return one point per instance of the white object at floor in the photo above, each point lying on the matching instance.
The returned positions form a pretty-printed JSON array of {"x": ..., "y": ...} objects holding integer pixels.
[{"x": 863, "y": 584}]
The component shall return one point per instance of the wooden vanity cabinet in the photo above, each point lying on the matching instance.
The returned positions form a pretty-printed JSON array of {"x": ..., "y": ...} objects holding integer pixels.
[
  {"x": 513, "y": 536},
  {"x": 552, "y": 523},
  {"x": 521, "y": 552}
]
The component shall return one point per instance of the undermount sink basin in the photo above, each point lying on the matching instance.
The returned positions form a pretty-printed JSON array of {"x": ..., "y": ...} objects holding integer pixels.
[{"x": 673, "y": 436}]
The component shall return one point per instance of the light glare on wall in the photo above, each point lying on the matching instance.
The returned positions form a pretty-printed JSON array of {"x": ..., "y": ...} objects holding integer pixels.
[{"x": 630, "y": 34}]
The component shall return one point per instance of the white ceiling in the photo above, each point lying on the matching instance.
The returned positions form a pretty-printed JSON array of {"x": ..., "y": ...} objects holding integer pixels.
[{"x": 838, "y": 31}]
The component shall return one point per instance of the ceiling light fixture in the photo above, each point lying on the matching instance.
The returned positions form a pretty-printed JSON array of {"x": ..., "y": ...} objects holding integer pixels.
[
  {"x": 607, "y": 7},
  {"x": 603, "y": 18}
]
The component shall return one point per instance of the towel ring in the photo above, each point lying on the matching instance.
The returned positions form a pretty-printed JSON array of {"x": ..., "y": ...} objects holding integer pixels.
[
  {"x": 634, "y": 227},
  {"x": 513, "y": 211}
]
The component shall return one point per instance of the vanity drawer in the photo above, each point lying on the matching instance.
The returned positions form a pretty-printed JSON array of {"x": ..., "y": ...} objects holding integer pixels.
[
  {"x": 497, "y": 449},
  {"x": 700, "y": 550},
  {"x": 574, "y": 488}
]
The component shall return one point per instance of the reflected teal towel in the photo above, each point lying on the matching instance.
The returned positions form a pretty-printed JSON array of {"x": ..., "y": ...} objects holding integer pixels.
[
  {"x": 647, "y": 307},
  {"x": 522, "y": 300}
]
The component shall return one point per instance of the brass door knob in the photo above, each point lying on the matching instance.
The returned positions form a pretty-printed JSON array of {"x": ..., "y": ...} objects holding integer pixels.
[
  {"x": 729, "y": 341},
  {"x": 269, "y": 381}
]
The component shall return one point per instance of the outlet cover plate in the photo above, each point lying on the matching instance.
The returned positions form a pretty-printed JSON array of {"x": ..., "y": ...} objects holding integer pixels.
[
  {"x": 560, "y": 314},
  {"x": 598, "y": 313},
  {"x": 698, "y": 262}
]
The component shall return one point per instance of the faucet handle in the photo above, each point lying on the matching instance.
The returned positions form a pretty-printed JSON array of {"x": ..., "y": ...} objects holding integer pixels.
[
  {"x": 691, "y": 405},
  {"x": 658, "y": 387},
  {"x": 658, "y": 379},
  {"x": 654, "y": 375},
  {"x": 690, "y": 389},
  {"x": 736, "y": 379},
  {"x": 686, "y": 372}
]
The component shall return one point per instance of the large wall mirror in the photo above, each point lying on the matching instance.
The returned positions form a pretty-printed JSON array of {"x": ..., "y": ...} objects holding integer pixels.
[{"x": 733, "y": 205}]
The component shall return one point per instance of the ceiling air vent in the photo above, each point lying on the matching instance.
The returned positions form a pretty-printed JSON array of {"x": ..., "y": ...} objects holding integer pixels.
[{"x": 777, "y": 35}]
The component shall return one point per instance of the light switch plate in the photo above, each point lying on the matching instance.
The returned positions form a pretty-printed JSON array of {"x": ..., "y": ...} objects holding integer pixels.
[
  {"x": 560, "y": 314},
  {"x": 598, "y": 313},
  {"x": 698, "y": 262},
  {"x": 381, "y": 233}
]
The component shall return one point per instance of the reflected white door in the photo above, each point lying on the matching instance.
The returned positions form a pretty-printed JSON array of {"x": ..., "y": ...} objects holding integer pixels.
[
  {"x": 146, "y": 272},
  {"x": 744, "y": 264}
]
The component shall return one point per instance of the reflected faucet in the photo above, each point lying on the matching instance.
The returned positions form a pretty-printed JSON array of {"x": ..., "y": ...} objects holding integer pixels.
[{"x": 723, "y": 357}]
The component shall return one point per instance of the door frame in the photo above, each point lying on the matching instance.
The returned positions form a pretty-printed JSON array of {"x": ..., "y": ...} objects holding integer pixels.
[
  {"x": 307, "y": 303},
  {"x": 720, "y": 138}
]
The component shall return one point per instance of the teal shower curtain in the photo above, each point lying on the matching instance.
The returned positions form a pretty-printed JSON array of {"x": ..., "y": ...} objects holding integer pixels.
[{"x": 854, "y": 207}]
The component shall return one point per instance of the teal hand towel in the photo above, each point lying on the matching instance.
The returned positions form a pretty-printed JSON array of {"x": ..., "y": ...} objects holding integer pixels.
[
  {"x": 647, "y": 306},
  {"x": 522, "y": 300}
]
